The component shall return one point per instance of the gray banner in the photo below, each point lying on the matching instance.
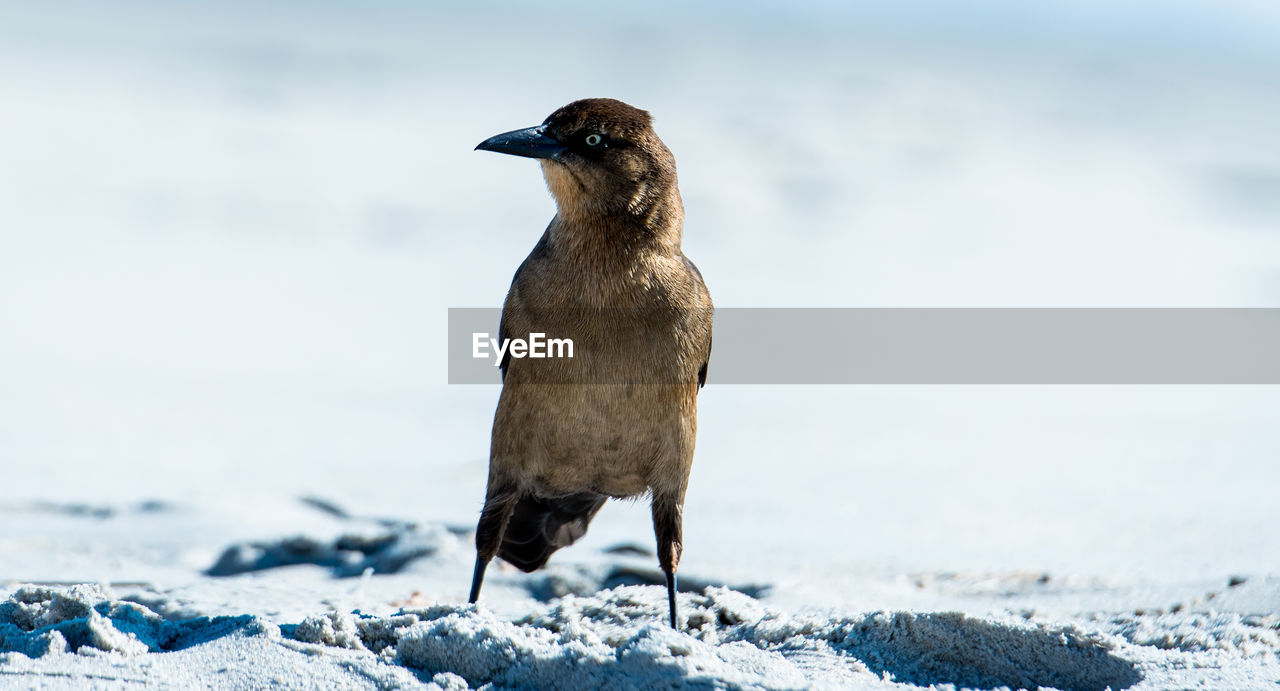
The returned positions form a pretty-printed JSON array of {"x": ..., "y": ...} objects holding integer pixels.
[{"x": 954, "y": 346}]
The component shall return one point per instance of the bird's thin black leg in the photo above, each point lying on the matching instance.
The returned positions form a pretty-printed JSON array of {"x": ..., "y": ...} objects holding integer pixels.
[
  {"x": 671, "y": 596},
  {"x": 477, "y": 578},
  {"x": 493, "y": 523},
  {"x": 667, "y": 529}
]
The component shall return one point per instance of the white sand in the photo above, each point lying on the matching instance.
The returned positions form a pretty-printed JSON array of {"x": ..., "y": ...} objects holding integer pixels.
[
  {"x": 242, "y": 630},
  {"x": 616, "y": 639}
]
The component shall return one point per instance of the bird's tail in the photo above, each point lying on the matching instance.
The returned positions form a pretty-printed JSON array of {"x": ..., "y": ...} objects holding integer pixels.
[{"x": 542, "y": 525}]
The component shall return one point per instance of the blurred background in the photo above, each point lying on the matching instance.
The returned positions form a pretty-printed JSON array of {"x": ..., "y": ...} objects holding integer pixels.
[{"x": 229, "y": 235}]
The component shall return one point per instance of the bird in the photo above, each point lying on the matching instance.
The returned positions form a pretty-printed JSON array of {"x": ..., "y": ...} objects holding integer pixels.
[{"x": 618, "y": 419}]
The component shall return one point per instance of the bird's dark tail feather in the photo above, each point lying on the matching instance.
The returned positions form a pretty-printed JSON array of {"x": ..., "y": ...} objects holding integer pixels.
[{"x": 542, "y": 525}]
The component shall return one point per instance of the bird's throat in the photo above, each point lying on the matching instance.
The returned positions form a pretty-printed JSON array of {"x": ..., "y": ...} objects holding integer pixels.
[{"x": 647, "y": 217}]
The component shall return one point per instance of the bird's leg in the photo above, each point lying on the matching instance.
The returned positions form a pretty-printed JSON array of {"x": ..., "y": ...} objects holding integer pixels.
[
  {"x": 493, "y": 523},
  {"x": 666, "y": 527}
]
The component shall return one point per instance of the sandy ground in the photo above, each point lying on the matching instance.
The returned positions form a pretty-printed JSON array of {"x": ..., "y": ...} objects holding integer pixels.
[
  {"x": 366, "y": 602},
  {"x": 374, "y": 602},
  {"x": 229, "y": 238}
]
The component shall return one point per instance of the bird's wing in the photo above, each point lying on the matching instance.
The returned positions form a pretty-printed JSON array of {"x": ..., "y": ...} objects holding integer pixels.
[
  {"x": 702, "y": 371},
  {"x": 702, "y": 286}
]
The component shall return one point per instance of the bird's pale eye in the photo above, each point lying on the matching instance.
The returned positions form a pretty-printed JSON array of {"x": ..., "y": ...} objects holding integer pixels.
[{"x": 594, "y": 139}]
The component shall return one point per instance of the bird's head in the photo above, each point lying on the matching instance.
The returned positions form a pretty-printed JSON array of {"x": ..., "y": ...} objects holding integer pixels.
[{"x": 601, "y": 158}]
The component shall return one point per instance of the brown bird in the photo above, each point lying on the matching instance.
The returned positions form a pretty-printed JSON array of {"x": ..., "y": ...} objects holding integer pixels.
[{"x": 619, "y": 417}]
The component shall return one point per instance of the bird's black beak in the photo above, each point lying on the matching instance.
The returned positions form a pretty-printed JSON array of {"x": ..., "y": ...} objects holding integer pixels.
[{"x": 531, "y": 142}]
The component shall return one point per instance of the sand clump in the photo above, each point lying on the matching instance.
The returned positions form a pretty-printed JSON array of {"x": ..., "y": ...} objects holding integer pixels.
[
  {"x": 41, "y": 620},
  {"x": 618, "y": 639}
]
